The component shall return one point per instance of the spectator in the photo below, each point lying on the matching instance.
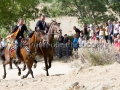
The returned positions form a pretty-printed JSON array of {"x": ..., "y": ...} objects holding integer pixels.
[
  {"x": 101, "y": 34},
  {"x": 85, "y": 31},
  {"x": 77, "y": 31},
  {"x": 116, "y": 29},
  {"x": 67, "y": 45},
  {"x": 94, "y": 37},
  {"x": 97, "y": 29},
  {"x": 60, "y": 44},
  {"x": 81, "y": 40},
  {"x": 119, "y": 27},
  {"x": 75, "y": 42},
  {"x": 91, "y": 31},
  {"x": 106, "y": 32},
  {"x": 116, "y": 42},
  {"x": 110, "y": 31}
]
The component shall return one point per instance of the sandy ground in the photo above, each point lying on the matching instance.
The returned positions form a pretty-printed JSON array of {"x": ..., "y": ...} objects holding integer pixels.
[
  {"x": 63, "y": 77},
  {"x": 57, "y": 68}
]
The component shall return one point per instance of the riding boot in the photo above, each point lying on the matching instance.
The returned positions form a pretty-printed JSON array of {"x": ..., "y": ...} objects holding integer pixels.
[{"x": 17, "y": 54}]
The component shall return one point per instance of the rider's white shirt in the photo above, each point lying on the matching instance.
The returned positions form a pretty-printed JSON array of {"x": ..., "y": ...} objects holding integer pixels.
[{"x": 20, "y": 26}]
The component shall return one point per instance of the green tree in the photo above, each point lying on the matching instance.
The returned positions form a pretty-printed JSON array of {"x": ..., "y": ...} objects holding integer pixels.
[
  {"x": 115, "y": 6},
  {"x": 90, "y": 11},
  {"x": 11, "y": 10}
]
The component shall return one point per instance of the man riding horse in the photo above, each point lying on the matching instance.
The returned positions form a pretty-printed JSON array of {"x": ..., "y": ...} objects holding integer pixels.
[
  {"x": 20, "y": 28},
  {"x": 41, "y": 25}
]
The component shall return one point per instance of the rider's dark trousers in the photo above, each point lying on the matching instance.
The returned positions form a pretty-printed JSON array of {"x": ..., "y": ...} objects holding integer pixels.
[{"x": 17, "y": 45}]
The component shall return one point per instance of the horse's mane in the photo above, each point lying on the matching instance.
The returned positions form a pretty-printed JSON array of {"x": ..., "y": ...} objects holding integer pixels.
[
  {"x": 53, "y": 22},
  {"x": 30, "y": 34}
]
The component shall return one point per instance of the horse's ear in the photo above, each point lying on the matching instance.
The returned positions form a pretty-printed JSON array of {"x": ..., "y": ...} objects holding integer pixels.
[
  {"x": 36, "y": 29},
  {"x": 59, "y": 24}
]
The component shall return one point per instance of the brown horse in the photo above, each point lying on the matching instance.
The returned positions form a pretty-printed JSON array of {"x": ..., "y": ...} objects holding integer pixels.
[
  {"x": 47, "y": 49},
  {"x": 27, "y": 54}
]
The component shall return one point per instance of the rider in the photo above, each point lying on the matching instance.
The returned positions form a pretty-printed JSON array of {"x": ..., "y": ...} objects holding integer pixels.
[
  {"x": 22, "y": 27},
  {"x": 41, "y": 25}
]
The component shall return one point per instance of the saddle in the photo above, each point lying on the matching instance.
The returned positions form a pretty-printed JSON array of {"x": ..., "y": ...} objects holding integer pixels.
[{"x": 23, "y": 42}]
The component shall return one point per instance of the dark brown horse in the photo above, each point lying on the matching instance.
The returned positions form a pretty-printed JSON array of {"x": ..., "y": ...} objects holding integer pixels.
[
  {"x": 27, "y": 54},
  {"x": 47, "y": 49}
]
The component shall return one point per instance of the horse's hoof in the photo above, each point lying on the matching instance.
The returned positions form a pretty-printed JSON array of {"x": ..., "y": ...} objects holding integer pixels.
[
  {"x": 4, "y": 76},
  {"x": 35, "y": 65},
  {"x": 23, "y": 77},
  {"x": 19, "y": 73}
]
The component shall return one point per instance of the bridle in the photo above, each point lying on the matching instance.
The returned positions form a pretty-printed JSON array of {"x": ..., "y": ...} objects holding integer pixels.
[
  {"x": 55, "y": 25},
  {"x": 35, "y": 42}
]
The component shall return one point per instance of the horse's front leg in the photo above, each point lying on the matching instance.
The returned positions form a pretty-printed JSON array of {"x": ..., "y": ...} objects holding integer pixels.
[
  {"x": 25, "y": 76},
  {"x": 10, "y": 64},
  {"x": 46, "y": 65},
  {"x": 4, "y": 67},
  {"x": 19, "y": 70},
  {"x": 35, "y": 63},
  {"x": 29, "y": 72},
  {"x": 24, "y": 66},
  {"x": 50, "y": 60}
]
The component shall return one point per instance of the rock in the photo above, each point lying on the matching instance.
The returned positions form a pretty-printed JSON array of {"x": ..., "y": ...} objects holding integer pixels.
[
  {"x": 40, "y": 80},
  {"x": 6, "y": 86},
  {"x": 92, "y": 86},
  {"x": 73, "y": 86},
  {"x": 35, "y": 80}
]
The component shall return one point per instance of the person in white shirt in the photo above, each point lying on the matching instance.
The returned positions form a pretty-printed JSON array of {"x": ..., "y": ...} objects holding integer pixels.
[
  {"x": 119, "y": 27},
  {"x": 101, "y": 34},
  {"x": 91, "y": 31},
  {"x": 116, "y": 29}
]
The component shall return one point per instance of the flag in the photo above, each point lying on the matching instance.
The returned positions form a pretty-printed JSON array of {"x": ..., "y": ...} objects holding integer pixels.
[{"x": 13, "y": 35}]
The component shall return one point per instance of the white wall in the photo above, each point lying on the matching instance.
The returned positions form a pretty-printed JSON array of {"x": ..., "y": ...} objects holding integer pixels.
[{"x": 67, "y": 24}]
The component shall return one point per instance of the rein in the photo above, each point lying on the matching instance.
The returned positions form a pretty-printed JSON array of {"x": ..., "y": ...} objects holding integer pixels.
[{"x": 34, "y": 43}]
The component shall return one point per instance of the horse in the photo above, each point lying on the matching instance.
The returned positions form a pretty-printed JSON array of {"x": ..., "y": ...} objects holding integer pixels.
[
  {"x": 27, "y": 54},
  {"x": 46, "y": 48}
]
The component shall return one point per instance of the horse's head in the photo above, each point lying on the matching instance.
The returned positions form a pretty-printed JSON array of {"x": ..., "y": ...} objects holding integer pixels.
[
  {"x": 35, "y": 36},
  {"x": 38, "y": 35},
  {"x": 54, "y": 28}
]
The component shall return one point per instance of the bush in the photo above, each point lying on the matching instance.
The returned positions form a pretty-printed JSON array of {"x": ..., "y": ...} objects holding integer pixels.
[{"x": 94, "y": 56}]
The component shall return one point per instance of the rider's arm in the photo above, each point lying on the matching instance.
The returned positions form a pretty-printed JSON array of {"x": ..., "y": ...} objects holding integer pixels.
[
  {"x": 25, "y": 28},
  {"x": 38, "y": 24}
]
